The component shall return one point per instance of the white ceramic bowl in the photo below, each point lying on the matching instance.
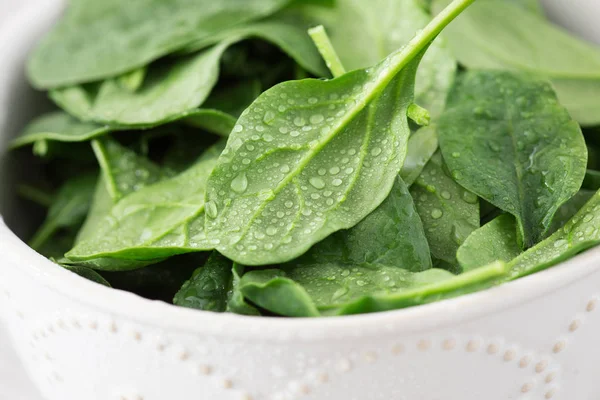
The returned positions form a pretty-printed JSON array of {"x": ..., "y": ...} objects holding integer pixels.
[{"x": 532, "y": 339}]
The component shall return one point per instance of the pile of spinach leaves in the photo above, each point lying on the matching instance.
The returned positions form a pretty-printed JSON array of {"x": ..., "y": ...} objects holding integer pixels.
[{"x": 220, "y": 154}]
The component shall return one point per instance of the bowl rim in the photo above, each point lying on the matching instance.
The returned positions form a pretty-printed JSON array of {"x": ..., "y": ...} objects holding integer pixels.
[{"x": 19, "y": 31}]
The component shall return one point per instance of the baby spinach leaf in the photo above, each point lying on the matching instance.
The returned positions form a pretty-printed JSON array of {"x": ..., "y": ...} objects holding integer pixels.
[
  {"x": 579, "y": 234},
  {"x": 311, "y": 157},
  {"x": 497, "y": 34},
  {"x": 87, "y": 273},
  {"x": 211, "y": 120},
  {"x": 123, "y": 172},
  {"x": 386, "y": 26},
  {"x": 289, "y": 37},
  {"x": 569, "y": 209},
  {"x": 59, "y": 126},
  {"x": 449, "y": 212},
  {"x": 382, "y": 238},
  {"x": 157, "y": 221},
  {"x": 174, "y": 89},
  {"x": 339, "y": 290},
  {"x": 495, "y": 241},
  {"x": 272, "y": 291},
  {"x": 102, "y": 39},
  {"x": 68, "y": 210},
  {"x": 422, "y": 145},
  {"x": 506, "y": 138},
  {"x": 208, "y": 289},
  {"x": 133, "y": 80},
  {"x": 237, "y": 303}
]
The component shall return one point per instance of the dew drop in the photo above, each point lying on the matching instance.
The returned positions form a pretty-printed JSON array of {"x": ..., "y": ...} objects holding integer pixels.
[
  {"x": 238, "y": 128},
  {"x": 456, "y": 154},
  {"x": 436, "y": 213},
  {"x": 240, "y": 183},
  {"x": 271, "y": 231},
  {"x": 299, "y": 121},
  {"x": 376, "y": 151},
  {"x": 334, "y": 170},
  {"x": 446, "y": 195},
  {"x": 469, "y": 197},
  {"x": 337, "y": 182},
  {"x": 316, "y": 119},
  {"x": 211, "y": 209}
]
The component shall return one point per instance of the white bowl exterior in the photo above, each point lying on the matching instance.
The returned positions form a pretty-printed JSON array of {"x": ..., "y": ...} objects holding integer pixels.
[{"x": 532, "y": 339}]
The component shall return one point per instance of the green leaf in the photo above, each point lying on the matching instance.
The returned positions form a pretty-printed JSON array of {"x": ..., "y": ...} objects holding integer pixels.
[
  {"x": 506, "y": 138},
  {"x": 579, "y": 234},
  {"x": 497, "y": 34},
  {"x": 422, "y": 145},
  {"x": 156, "y": 221},
  {"x": 237, "y": 303},
  {"x": 68, "y": 210},
  {"x": 123, "y": 173},
  {"x": 58, "y": 126},
  {"x": 569, "y": 209},
  {"x": 311, "y": 157},
  {"x": 209, "y": 286},
  {"x": 339, "y": 290},
  {"x": 449, "y": 212},
  {"x": 290, "y": 37},
  {"x": 271, "y": 290},
  {"x": 213, "y": 121},
  {"x": 363, "y": 33},
  {"x": 102, "y": 39},
  {"x": 174, "y": 89},
  {"x": 495, "y": 241},
  {"x": 381, "y": 239},
  {"x": 133, "y": 80},
  {"x": 87, "y": 273}
]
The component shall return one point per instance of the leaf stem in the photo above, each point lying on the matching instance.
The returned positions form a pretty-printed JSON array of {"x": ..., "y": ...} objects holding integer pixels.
[
  {"x": 325, "y": 47},
  {"x": 419, "y": 115},
  {"x": 35, "y": 195}
]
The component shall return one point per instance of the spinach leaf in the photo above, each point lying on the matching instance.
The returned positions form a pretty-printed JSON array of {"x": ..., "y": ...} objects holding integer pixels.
[
  {"x": 123, "y": 173},
  {"x": 506, "y": 138},
  {"x": 579, "y": 234},
  {"x": 381, "y": 239},
  {"x": 495, "y": 241},
  {"x": 156, "y": 221},
  {"x": 339, "y": 290},
  {"x": 422, "y": 145},
  {"x": 211, "y": 120},
  {"x": 267, "y": 289},
  {"x": 68, "y": 210},
  {"x": 102, "y": 39},
  {"x": 58, "y": 126},
  {"x": 386, "y": 26},
  {"x": 497, "y": 34},
  {"x": 175, "y": 88},
  {"x": 569, "y": 209},
  {"x": 208, "y": 289},
  {"x": 237, "y": 303},
  {"x": 289, "y": 37},
  {"x": 311, "y": 157},
  {"x": 449, "y": 212},
  {"x": 87, "y": 273}
]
